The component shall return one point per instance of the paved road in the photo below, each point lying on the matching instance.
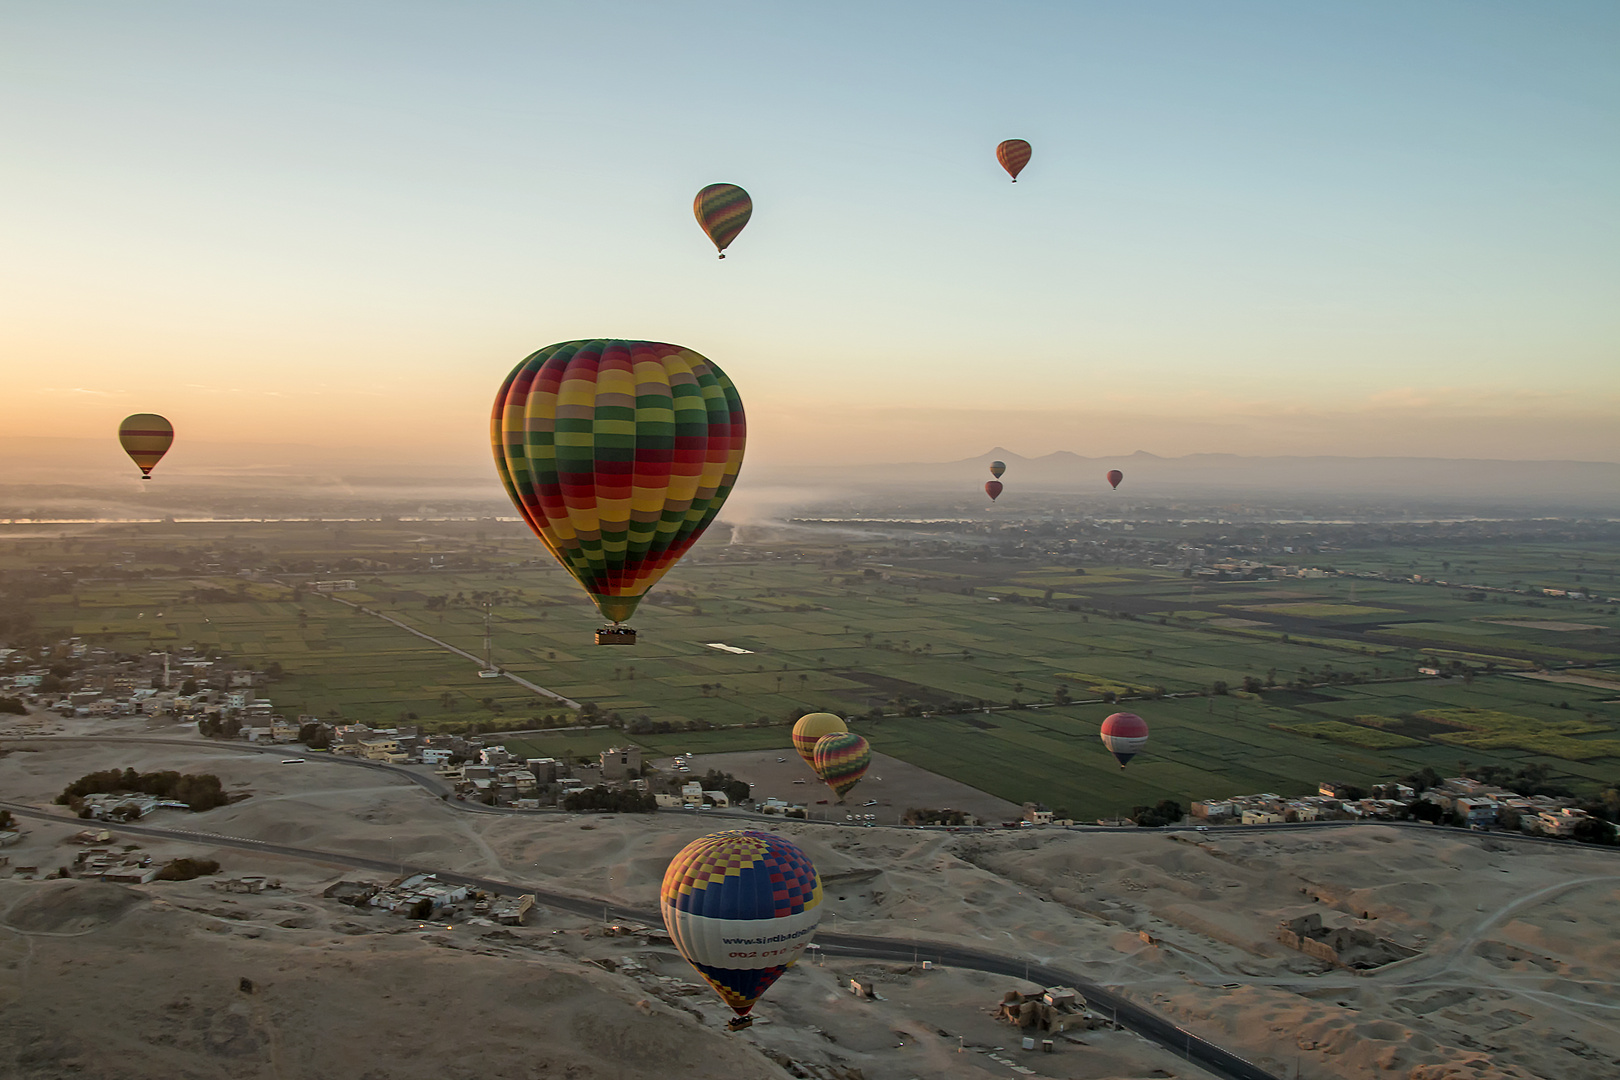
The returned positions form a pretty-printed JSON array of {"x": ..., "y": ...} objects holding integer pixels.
[{"x": 1145, "y": 1022}]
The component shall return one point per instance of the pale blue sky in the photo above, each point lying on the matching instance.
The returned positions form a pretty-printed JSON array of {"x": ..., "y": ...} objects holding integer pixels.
[{"x": 1247, "y": 227}]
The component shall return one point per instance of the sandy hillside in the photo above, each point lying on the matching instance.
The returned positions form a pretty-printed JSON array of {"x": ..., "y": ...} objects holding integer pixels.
[{"x": 1513, "y": 945}]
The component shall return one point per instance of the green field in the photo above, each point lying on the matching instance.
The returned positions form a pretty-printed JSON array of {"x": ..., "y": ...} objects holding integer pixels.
[{"x": 858, "y": 630}]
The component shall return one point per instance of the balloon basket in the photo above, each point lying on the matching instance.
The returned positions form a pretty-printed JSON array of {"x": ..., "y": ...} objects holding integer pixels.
[
  {"x": 615, "y": 635},
  {"x": 739, "y": 1023}
]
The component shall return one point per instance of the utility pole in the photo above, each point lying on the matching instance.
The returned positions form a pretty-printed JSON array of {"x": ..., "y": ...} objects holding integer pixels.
[{"x": 489, "y": 658}]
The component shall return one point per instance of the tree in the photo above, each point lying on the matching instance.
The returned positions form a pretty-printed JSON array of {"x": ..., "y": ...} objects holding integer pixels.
[
  {"x": 1164, "y": 812},
  {"x": 186, "y": 869},
  {"x": 189, "y": 687}
]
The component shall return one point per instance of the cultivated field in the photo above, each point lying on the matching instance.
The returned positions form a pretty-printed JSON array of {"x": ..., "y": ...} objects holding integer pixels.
[{"x": 982, "y": 652}]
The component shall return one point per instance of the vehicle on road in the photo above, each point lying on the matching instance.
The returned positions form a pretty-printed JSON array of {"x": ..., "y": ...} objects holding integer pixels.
[{"x": 292, "y": 761}]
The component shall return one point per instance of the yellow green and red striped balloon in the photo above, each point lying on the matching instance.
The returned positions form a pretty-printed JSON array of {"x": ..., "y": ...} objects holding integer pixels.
[
  {"x": 722, "y": 210},
  {"x": 618, "y": 454},
  {"x": 810, "y": 728},
  {"x": 841, "y": 760},
  {"x": 145, "y": 437}
]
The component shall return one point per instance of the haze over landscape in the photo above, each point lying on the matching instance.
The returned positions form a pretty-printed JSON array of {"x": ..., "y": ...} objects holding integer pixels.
[{"x": 1268, "y": 417}]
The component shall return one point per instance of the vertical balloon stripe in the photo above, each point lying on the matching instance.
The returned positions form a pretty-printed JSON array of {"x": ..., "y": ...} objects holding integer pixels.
[{"x": 618, "y": 454}]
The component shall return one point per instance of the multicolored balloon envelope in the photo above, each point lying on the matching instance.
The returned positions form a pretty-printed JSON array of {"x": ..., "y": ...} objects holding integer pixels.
[
  {"x": 1124, "y": 734},
  {"x": 1013, "y": 155},
  {"x": 992, "y": 488},
  {"x": 997, "y": 468},
  {"x": 618, "y": 454},
  {"x": 722, "y": 210},
  {"x": 145, "y": 437},
  {"x": 809, "y": 730},
  {"x": 841, "y": 761},
  {"x": 1114, "y": 477},
  {"x": 741, "y": 907}
]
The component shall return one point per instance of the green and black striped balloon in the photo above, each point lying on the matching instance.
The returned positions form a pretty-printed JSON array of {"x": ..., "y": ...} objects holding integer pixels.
[{"x": 722, "y": 210}]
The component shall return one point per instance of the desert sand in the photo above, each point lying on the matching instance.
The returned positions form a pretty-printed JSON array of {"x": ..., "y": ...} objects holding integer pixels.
[{"x": 1516, "y": 947}]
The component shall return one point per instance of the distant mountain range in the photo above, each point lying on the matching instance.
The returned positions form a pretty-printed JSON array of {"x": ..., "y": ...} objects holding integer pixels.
[
  {"x": 95, "y": 469},
  {"x": 1590, "y": 486}
]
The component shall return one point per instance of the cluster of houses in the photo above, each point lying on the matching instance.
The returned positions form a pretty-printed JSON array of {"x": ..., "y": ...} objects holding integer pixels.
[
  {"x": 105, "y": 683},
  {"x": 101, "y": 806},
  {"x": 1200, "y": 566},
  {"x": 422, "y": 896},
  {"x": 1474, "y": 803}
]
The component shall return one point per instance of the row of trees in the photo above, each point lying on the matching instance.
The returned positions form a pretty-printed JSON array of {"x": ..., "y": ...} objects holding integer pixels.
[
  {"x": 613, "y": 800},
  {"x": 199, "y": 791}
]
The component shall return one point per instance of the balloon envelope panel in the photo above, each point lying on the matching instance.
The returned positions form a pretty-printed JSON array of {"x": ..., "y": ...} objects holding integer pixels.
[
  {"x": 618, "y": 454},
  {"x": 841, "y": 760},
  {"x": 741, "y": 907},
  {"x": 721, "y": 211},
  {"x": 1124, "y": 734},
  {"x": 145, "y": 437},
  {"x": 809, "y": 730}
]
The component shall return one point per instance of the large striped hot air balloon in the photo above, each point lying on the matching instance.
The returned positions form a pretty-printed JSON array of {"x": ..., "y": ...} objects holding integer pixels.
[
  {"x": 618, "y": 454},
  {"x": 841, "y": 761},
  {"x": 145, "y": 437},
  {"x": 1013, "y": 155},
  {"x": 997, "y": 468},
  {"x": 741, "y": 907},
  {"x": 722, "y": 210},
  {"x": 810, "y": 728},
  {"x": 1124, "y": 734}
]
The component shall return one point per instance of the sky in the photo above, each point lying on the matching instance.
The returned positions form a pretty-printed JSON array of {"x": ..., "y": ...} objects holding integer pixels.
[{"x": 1370, "y": 228}]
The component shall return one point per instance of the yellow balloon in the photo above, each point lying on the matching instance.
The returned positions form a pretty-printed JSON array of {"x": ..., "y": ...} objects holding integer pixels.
[{"x": 809, "y": 730}]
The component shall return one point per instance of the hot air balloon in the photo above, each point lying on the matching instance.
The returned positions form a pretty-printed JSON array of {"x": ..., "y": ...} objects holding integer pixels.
[
  {"x": 1124, "y": 734},
  {"x": 809, "y": 730},
  {"x": 741, "y": 906},
  {"x": 997, "y": 468},
  {"x": 618, "y": 454},
  {"x": 145, "y": 437},
  {"x": 841, "y": 761},
  {"x": 992, "y": 488},
  {"x": 1013, "y": 155},
  {"x": 1114, "y": 477},
  {"x": 722, "y": 210}
]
